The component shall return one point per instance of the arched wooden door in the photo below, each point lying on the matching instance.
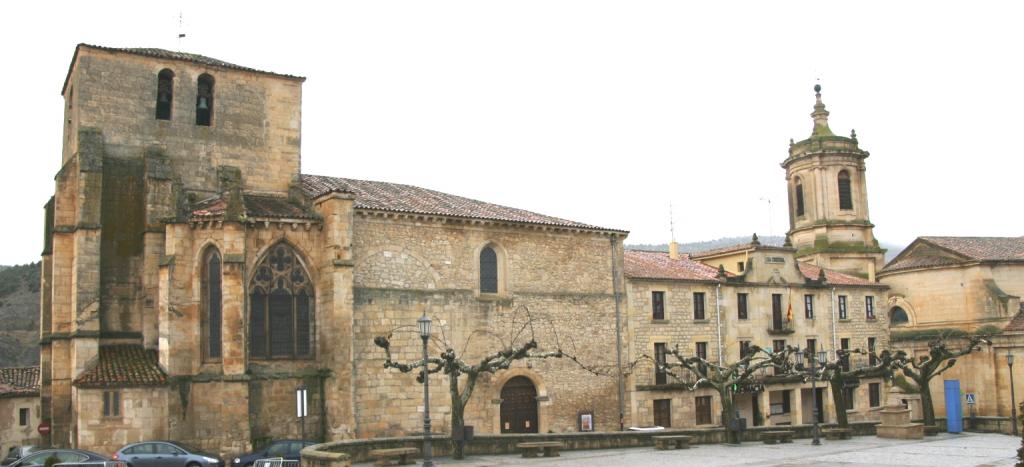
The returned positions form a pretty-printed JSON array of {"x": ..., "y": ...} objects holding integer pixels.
[{"x": 519, "y": 406}]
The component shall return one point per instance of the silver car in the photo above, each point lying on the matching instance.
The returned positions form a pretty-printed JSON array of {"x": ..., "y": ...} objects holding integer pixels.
[{"x": 165, "y": 454}]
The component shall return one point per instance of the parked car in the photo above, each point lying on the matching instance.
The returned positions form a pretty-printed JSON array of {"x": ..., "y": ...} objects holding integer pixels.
[
  {"x": 78, "y": 456},
  {"x": 287, "y": 449},
  {"x": 165, "y": 454},
  {"x": 17, "y": 452}
]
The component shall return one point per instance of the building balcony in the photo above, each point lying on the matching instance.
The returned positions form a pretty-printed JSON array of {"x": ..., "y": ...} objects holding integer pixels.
[{"x": 783, "y": 329}]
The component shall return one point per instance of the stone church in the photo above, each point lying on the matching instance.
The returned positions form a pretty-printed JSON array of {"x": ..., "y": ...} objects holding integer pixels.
[{"x": 194, "y": 277}]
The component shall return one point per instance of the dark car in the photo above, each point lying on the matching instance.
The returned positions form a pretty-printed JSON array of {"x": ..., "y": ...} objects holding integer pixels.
[
  {"x": 165, "y": 454},
  {"x": 287, "y": 449},
  {"x": 64, "y": 456},
  {"x": 17, "y": 452}
]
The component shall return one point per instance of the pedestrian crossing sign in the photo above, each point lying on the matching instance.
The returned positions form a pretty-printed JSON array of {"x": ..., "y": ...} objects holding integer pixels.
[{"x": 970, "y": 398}]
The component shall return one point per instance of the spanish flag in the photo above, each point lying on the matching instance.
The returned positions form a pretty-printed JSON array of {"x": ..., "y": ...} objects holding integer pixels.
[{"x": 789, "y": 312}]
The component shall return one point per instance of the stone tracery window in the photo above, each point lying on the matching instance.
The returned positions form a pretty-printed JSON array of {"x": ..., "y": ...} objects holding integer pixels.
[
  {"x": 212, "y": 305},
  {"x": 281, "y": 307}
]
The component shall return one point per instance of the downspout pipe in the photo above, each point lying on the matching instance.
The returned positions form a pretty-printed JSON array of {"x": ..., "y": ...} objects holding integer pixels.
[
  {"x": 618, "y": 333},
  {"x": 832, "y": 305},
  {"x": 718, "y": 317}
]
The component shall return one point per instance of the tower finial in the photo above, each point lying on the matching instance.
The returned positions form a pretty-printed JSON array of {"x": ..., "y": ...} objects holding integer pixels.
[{"x": 820, "y": 115}]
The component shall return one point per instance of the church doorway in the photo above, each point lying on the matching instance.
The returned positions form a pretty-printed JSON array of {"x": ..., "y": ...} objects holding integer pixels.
[{"x": 519, "y": 406}]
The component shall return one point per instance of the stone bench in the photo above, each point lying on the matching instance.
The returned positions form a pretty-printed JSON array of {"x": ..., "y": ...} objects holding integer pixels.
[
  {"x": 531, "y": 449},
  {"x": 672, "y": 442},
  {"x": 386, "y": 456},
  {"x": 835, "y": 434},
  {"x": 781, "y": 436}
]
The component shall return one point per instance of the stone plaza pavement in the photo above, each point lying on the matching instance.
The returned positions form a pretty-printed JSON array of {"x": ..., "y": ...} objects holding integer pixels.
[{"x": 944, "y": 450}]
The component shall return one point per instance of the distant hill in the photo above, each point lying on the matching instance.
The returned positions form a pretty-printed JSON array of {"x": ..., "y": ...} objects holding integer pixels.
[
  {"x": 694, "y": 247},
  {"x": 19, "y": 313}
]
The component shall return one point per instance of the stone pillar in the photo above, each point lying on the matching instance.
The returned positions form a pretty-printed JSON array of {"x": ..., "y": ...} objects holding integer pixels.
[
  {"x": 796, "y": 404},
  {"x": 233, "y": 293},
  {"x": 159, "y": 206},
  {"x": 765, "y": 406},
  {"x": 335, "y": 293}
]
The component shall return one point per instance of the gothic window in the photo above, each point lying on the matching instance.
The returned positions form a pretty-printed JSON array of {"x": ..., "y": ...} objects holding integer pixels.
[
  {"x": 280, "y": 307},
  {"x": 164, "y": 94},
  {"x": 212, "y": 305},
  {"x": 898, "y": 316},
  {"x": 845, "y": 198},
  {"x": 204, "y": 100},
  {"x": 488, "y": 270},
  {"x": 799, "y": 198}
]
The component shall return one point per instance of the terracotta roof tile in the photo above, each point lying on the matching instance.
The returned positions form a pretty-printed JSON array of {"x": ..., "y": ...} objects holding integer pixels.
[
  {"x": 811, "y": 271},
  {"x": 406, "y": 198},
  {"x": 256, "y": 206},
  {"x": 187, "y": 57},
  {"x": 1017, "y": 323},
  {"x": 983, "y": 248},
  {"x": 123, "y": 366},
  {"x": 19, "y": 381},
  {"x": 657, "y": 265}
]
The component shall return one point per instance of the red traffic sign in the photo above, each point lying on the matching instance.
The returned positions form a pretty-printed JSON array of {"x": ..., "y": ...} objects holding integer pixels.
[{"x": 44, "y": 428}]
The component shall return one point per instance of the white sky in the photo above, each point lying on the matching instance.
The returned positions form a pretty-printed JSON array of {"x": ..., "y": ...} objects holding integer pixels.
[{"x": 600, "y": 112}]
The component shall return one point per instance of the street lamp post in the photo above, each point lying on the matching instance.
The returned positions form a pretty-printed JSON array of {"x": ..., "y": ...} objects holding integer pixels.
[
  {"x": 1013, "y": 396},
  {"x": 812, "y": 360},
  {"x": 424, "y": 324}
]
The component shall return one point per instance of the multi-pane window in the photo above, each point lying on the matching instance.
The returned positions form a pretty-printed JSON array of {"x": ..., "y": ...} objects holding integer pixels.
[
  {"x": 23, "y": 417},
  {"x": 702, "y": 350},
  {"x": 741, "y": 306},
  {"x": 111, "y": 403},
  {"x": 164, "y": 94},
  {"x": 809, "y": 306},
  {"x": 744, "y": 348},
  {"x": 204, "y": 100},
  {"x": 659, "y": 361},
  {"x": 211, "y": 305},
  {"x": 702, "y": 406},
  {"x": 842, "y": 307},
  {"x": 799, "y": 199},
  {"x": 281, "y": 307},
  {"x": 844, "y": 344},
  {"x": 875, "y": 394},
  {"x": 658, "y": 305},
  {"x": 849, "y": 393},
  {"x": 488, "y": 270},
  {"x": 872, "y": 359},
  {"x": 812, "y": 347},
  {"x": 845, "y": 197},
  {"x": 869, "y": 307},
  {"x": 698, "y": 305},
  {"x": 663, "y": 412}
]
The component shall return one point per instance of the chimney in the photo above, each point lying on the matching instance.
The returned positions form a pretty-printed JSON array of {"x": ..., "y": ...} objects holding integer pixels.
[{"x": 673, "y": 250}]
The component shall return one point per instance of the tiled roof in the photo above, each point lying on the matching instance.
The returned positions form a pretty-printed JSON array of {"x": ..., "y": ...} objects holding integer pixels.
[
  {"x": 948, "y": 251},
  {"x": 811, "y": 271},
  {"x": 411, "y": 199},
  {"x": 1017, "y": 323},
  {"x": 256, "y": 206},
  {"x": 658, "y": 265},
  {"x": 123, "y": 365},
  {"x": 19, "y": 381},
  {"x": 724, "y": 249},
  {"x": 983, "y": 248}
]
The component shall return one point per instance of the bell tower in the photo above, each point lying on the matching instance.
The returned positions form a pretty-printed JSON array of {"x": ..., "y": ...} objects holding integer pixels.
[{"x": 828, "y": 200}]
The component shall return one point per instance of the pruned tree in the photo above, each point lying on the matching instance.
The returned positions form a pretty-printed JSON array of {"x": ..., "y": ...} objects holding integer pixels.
[
  {"x": 455, "y": 365},
  {"x": 837, "y": 375},
  {"x": 939, "y": 359},
  {"x": 724, "y": 379}
]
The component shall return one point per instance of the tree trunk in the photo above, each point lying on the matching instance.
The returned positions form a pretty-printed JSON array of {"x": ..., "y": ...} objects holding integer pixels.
[
  {"x": 839, "y": 401},
  {"x": 926, "y": 402},
  {"x": 458, "y": 421},
  {"x": 728, "y": 414}
]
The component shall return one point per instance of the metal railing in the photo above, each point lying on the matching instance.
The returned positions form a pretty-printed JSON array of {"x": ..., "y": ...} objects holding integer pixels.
[{"x": 275, "y": 462}]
